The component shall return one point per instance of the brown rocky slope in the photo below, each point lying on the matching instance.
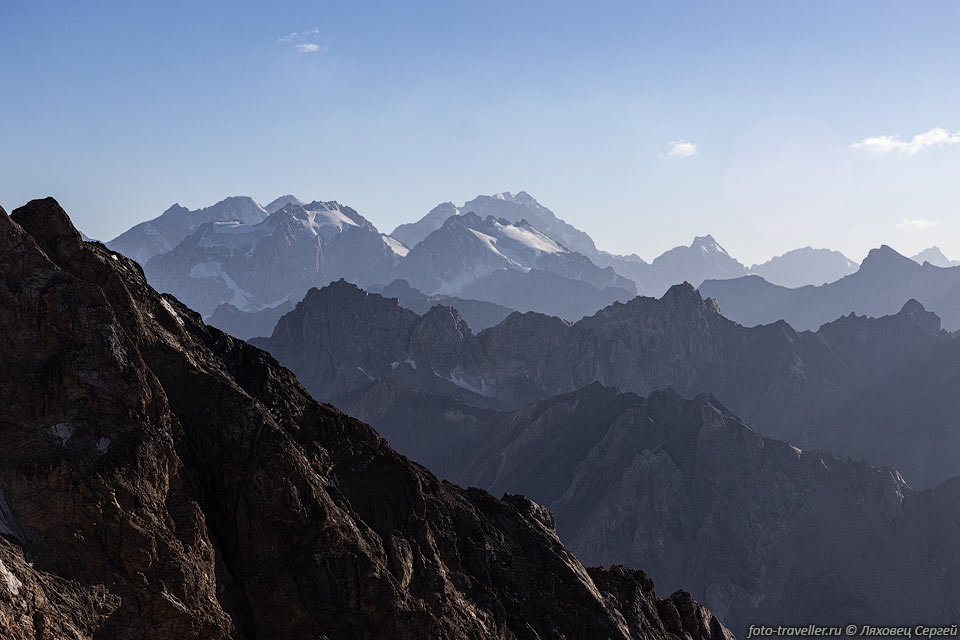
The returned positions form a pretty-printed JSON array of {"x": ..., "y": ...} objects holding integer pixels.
[{"x": 164, "y": 480}]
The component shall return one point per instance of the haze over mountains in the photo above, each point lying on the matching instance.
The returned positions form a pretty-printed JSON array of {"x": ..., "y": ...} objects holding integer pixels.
[
  {"x": 165, "y": 480},
  {"x": 669, "y": 483},
  {"x": 625, "y": 415},
  {"x": 760, "y": 529},
  {"x": 505, "y": 249},
  {"x": 832, "y": 390},
  {"x": 935, "y": 256},
  {"x": 884, "y": 282},
  {"x": 805, "y": 266}
]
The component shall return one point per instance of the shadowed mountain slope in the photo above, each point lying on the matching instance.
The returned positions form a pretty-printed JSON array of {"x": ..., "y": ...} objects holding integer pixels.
[{"x": 859, "y": 386}]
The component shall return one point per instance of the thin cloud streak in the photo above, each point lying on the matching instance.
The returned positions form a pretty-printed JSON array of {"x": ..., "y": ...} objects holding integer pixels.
[
  {"x": 936, "y": 137},
  {"x": 917, "y": 225},
  {"x": 296, "y": 39}
]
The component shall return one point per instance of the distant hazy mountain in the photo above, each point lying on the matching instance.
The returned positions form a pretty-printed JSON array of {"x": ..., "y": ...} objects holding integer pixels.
[
  {"x": 165, "y": 232},
  {"x": 281, "y": 202},
  {"x": 704, "y": 259},
  {"x": 467, "y": 247},
  {"x": 247, "y": 324},
  {"x": 884, "y": 282},
  {"x": 508, "y": 206},
  {"x": 801, "y": 267},
  {"x": 253, "y": 267},
  {"x": 412, "y": 233},
  {"x": 862, "y": 387},
  {"x": 545, "y": 292},
  {"x": 934, "y": 256},
  {"x": 478, "y": 314},
  {"x": 755, "y": 528}
]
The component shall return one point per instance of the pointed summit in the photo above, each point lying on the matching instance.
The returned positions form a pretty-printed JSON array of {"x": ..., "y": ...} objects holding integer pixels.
[
  {"x": 49, "y": 225},
  {"x": 885, "y": 258},
  {"x": 936, "y": 257}
]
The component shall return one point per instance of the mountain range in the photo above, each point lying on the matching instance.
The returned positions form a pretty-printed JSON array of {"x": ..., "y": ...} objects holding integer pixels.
[
  {"x": 254, "y": 267},
  {"x": 703, "y": 259},
  {"x": 801, "y": 267},
  {"x": 506, "y": 249},
  {"x": 883, "y": 283},
  {"x": 757, "y": 528},
  {"x": 163, "y": 479},
  {"x": 153, "y": 237},
  {"x": 857, "y": 387}
]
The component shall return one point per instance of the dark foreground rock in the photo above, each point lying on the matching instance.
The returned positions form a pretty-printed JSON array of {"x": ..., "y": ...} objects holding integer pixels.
[{"x": 161, "y": 479}]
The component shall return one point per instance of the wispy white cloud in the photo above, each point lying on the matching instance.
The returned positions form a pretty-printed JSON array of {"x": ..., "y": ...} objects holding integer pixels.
[
  {"x": 937, "y": 137},
  {"x": 308, "y": 47},
  {"x": 300, "y": 41},
  {"x": 917, "y": 225},
  {"x": 682, "y": 149}
]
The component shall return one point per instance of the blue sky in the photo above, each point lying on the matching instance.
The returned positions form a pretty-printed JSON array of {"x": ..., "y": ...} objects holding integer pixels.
[{"x": 121, "y": 109}]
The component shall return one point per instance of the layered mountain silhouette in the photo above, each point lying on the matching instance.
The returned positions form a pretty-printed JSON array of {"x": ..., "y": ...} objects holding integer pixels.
[
  {"x": 162, "y": 479},
  {"x": 703, "y": 259},
  {"x": 507, "y": 249},
  {"x": 856, "y": 387},
  {"x": 759, "y": 530},
  {"x": 885, "y": 281},
  {"x": 247, "y": 324},
  {"x": 478, "y": 314},
  {"x": 805, "y": 266}
]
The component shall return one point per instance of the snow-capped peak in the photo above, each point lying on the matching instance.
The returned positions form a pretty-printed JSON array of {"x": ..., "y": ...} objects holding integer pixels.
[{"x": 707, "y": 244}]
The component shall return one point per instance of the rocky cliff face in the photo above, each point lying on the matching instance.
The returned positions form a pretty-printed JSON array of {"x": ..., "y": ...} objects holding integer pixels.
[
  {"x": 760, "y": 531},
  {"x": 851, "y": 388},
  {"x": 162, "y": 479}
]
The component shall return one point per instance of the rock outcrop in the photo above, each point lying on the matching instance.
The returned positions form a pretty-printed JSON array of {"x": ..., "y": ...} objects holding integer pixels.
[{"x": 164, "y": 480}]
